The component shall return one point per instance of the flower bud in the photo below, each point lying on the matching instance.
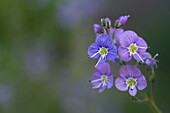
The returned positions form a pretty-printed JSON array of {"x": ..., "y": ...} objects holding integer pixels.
[
  {"x": 106, "y": 23},
  {"x": 98, "y": 29},
  {"x": 121, "y": 21}
]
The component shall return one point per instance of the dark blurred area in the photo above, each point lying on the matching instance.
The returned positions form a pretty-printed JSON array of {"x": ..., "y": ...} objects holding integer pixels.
[{"x": 43, "y": 54}]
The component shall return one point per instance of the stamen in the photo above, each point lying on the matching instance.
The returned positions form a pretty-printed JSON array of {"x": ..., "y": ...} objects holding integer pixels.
[
  {"x": 155, "y": 56},
  {"x": 142, "y": 47},
  {"x": 139, "y": 57},
  {"x": 98, "y": 85},
  {"x": 96, "y": 80},
  {"x": 94, "y": 54}
]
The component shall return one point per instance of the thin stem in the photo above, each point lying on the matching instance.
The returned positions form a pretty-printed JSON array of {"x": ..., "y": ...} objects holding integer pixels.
[
  {"x": 114, "y": 31},
  {"x": 152, "y": 103},
  {"x": 152, "y": 84}
]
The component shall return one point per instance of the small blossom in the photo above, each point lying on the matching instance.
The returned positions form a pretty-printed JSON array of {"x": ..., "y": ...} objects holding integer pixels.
[
  {"x": 130, "y": 77},
  {"x": 98, "y": 29},
  {"x": 104, "y": 48},
  {"x": 102, "y": 78},
  {"x": 121, "y": 21},
  {"x": 131, "y": 45},
  {"x": 148, "y": 60}
]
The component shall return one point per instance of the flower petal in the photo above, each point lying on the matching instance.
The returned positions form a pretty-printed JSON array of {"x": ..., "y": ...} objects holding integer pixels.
[
  {"x": 117, "y": 35},
  {"x": 142, "y": 46},
  {"x": 124, "y": 54},
  {"x": 127, "y": 38},
  {"x": 145, "y": 55},
  {"x": 102, "y": 89},
  {"x": 112, "y": 53},
  {"x": 93, "y": 51},
  {"x": 104, "y": 68},
  {"x": 120, "y": 84},
  {"x": 129, "y": 71},
  {"x": 96, "y": 77},
  {"x": 109, "y": 81},
  {"x": 141, "y": 82},
  {"x": 132, "y": 91},
  {"x": 111, "y": 32},
  {"x": 103, "y": 40}
]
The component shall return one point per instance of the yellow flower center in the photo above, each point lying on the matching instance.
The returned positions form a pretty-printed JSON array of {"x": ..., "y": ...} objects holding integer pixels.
[
  {"x": 131, "y": 82},
  {"x": 103, "y": 51},
  {"x": 133, "y": 48}
]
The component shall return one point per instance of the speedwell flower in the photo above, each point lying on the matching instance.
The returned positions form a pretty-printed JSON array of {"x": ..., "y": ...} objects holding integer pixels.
[
  {"x": 131, "y": 45},
  {"x": 104, "y": 48},
  {"x": 121, "y": 21},
  {"x": 148, "y": 60},
  {"x": 130, "y": 77},
  {"x": 102, "y": 78}
]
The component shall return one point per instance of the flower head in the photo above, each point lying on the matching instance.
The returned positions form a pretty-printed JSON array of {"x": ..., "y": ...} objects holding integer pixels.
[
  {"x": 102, "y": 78},
  {"x": 148, "y": 60},
  {"x": 131, "y": 45},
  {"x": 104, "y": 48},
  {"x": 121, "y": 21},
  {"x": 130, "y": 77}
]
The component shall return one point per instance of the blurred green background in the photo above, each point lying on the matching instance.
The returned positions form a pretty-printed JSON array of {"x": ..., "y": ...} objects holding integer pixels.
[{"x": 43, "y": 54}]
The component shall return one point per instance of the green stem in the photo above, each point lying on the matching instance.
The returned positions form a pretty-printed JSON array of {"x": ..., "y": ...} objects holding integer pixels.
[{"x": 152, "y": 103}]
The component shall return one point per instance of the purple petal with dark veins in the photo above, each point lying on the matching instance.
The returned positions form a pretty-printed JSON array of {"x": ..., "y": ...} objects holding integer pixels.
[
  {"x": 104, "y": 68},
  {"x": 93, "y": 49},
  {"x": 120, "y": 83},
  {"x": 129, "y": 71},
  {"x": 141, "y": 82},
  {"x": 128, "y": 38},
  {"x": 124, "y": 54}
]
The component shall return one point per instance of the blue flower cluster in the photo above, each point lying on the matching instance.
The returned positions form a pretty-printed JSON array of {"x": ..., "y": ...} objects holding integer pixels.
[{"x": 117, "y": 45}]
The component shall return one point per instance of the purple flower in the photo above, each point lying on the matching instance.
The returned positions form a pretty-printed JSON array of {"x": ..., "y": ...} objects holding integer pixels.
[
  {"x": 98, "y": 29},
  {"x": 102, "y": 78},
  {"x": 104, "y": 48},
  {"x": 131, "y": 45},
  {"x": 121, "y": 21},
  {"x": 130, "y": 76},
  {"x": 148, "y": 60}
]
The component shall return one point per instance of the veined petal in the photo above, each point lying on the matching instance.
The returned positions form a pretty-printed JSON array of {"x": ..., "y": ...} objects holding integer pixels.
[
  {"x": 129, "y": 71},
  {"x": 103, "y": 40},
  {"x": 102, "y": 89},
  {"x": 93, "y": 51},
  {"x": 120, "y": 84},
  {"x": 96, "y": 76},
  {"x": 104, "y": 68},
  {"x": 112, "y": 53},
  {"x": 145, "y": 55},
  {"x": 141, "y": 82},
  {"x": 117, "y": 35},
  {"x": 142, "y": 46},
  {"x": 132, "y": 91},
  {"x": 127, "y": 38},
  {"x": 124, "y": 54},
  {"x": 109, "y": 81},
  {"x": 111, "y": 32}
]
